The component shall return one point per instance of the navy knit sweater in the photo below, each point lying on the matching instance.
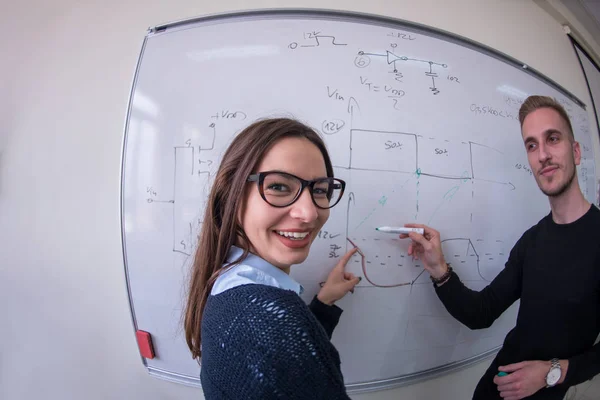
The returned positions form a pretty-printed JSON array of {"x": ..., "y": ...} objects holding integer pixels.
[{"x": 262, "y": 342}]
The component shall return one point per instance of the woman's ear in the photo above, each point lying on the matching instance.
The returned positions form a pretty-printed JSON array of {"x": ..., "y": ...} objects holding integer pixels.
[{"x": 242, "y": 208}]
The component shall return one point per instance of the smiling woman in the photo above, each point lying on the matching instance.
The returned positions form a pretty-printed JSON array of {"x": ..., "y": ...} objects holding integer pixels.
[{"x": 245, "y": 320}]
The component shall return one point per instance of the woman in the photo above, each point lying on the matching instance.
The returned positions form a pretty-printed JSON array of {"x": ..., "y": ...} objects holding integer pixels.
[{"x": 257, "y": 338}]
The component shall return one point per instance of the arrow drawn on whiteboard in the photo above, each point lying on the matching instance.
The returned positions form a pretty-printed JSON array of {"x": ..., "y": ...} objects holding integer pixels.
[
  {"x": 512, "y": 187},
  {"x": 351, "y": 199},
  {"x": 352, "y": 104},
  {"x": 160, "y": 201}
]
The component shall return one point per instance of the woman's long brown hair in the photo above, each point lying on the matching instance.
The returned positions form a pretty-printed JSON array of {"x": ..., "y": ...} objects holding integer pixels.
[{"x": 221, "y": 228}]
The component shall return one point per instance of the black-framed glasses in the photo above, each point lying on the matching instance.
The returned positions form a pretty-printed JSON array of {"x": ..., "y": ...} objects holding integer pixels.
[{"x": 281, "y": 189}]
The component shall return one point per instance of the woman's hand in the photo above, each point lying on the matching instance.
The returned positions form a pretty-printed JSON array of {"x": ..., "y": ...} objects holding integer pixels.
[{"x": 339, "y": 282}]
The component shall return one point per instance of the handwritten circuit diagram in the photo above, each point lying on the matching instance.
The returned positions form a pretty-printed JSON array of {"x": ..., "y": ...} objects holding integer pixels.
[
  {"x": 421, "y": 129},
  {"x": 412, "y": 166}
]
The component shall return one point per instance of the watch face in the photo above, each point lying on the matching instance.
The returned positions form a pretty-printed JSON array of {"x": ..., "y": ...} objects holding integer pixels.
[{"x": 553, "y": 376}]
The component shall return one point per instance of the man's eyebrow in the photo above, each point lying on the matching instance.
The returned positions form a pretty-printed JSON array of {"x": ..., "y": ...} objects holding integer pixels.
[
  {"x": 547, "y": 132},
  {"x": 551, "y": 131}
]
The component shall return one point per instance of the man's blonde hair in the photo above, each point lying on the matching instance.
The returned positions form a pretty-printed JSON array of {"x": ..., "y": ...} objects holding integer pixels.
[{"x": 533, "y": 103}]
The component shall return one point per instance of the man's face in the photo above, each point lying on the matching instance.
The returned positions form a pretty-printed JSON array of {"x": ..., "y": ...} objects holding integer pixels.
[{"x": 551, "y": 151}]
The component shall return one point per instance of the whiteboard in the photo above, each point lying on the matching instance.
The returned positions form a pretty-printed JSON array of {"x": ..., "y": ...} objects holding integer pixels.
[{"x": 421, "y": 125}]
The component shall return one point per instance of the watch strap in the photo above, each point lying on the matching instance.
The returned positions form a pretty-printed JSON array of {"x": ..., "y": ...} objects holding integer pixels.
[{"x": 554, "y": 364}]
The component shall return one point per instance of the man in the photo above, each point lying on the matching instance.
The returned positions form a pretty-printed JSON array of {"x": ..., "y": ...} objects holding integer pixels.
[{"x": 554, "y": 269}]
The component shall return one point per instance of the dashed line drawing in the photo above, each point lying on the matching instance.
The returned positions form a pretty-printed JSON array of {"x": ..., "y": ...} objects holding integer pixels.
[
  {"x": 410, "y": 154},
  {"x": 364, "y": 269},
  {"x": 362, "y": 140}
]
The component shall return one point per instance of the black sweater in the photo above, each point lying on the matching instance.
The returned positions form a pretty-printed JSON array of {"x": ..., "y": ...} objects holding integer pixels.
[
  {"x": 262, "y": 342},
  {"x": 555, "y": 270}
]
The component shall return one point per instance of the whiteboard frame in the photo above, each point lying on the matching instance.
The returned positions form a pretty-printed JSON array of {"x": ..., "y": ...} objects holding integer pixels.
[
  {"x": 335, "y": 15},
  {"x": 364, "y": 18},
  {"x": 355, "y": 388},
  {"x": 121, "y": 198}
]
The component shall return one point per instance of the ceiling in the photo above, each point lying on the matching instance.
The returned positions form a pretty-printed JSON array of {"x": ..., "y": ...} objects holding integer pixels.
[
  {"x": 593, "y": 7},
  {"x": 587, "y": 13}
]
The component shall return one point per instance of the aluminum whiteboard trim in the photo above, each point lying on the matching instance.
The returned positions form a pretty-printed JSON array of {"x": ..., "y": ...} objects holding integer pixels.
[
  {"x": 419, "y": 376},
  {"x": 174, "y": 377},
  {"x": 122, "y": 188},
  {"x": 363, "y": 18},
  {"x": 354, "y": 388}
]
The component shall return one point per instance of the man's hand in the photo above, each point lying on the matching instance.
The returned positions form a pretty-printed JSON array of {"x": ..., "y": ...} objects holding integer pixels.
[
  {"x": 523, "y": 379},
  {"x": 339, "y": 282},
  {"x": 427, "y": 248}
]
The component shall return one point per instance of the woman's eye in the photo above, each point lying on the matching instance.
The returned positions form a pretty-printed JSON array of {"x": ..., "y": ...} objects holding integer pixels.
[
  {"x": 320, "y": 192},
  {"x": 278, "y": 187}
]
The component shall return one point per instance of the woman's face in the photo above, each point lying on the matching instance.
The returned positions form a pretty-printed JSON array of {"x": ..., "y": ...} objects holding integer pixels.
[{"x": 282, "y": 236}]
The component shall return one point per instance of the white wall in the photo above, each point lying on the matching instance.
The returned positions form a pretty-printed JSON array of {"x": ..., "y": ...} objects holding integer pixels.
[{"x": 66, "y": 68}]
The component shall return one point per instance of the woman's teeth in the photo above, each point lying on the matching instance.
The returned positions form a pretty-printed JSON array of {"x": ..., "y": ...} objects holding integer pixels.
[{"x": 293, "y": 235}]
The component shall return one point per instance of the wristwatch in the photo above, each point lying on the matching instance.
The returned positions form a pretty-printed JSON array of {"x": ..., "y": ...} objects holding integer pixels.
[{"x": 554, "y": 374}]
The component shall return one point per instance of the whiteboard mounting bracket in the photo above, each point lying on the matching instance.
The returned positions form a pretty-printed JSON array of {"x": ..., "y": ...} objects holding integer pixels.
[{"x": 153, "y": 30}]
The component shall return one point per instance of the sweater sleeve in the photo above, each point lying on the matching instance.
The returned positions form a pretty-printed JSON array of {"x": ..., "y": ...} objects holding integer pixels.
[
  {"x": 583, "y": 367},
  {"x": 479, "y": 309},
  {"x": 586, "y": 365},
  {"x": 328, "y": 316}
]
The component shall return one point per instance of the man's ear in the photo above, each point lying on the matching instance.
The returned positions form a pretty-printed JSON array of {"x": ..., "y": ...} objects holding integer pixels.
[{"x": 576, "y": 152}]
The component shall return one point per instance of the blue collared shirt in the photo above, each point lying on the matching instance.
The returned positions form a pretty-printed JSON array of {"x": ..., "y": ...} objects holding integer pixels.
[{"x": 253, "y": 270}]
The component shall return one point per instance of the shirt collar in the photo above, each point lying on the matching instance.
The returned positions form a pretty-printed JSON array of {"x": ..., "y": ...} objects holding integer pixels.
[{"x": 284, "y": 280}]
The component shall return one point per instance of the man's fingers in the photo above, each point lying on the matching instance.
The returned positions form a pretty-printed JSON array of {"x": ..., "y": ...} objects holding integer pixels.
[
  {"x": 512, "y": 367},
  {"x": 510, "y": 387},
  {"x": 505, "y": 380},
  {"x": 420, "y": 239},
  {"x": 428, "y": 230},
  {"x": 415, "y": 246}
]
